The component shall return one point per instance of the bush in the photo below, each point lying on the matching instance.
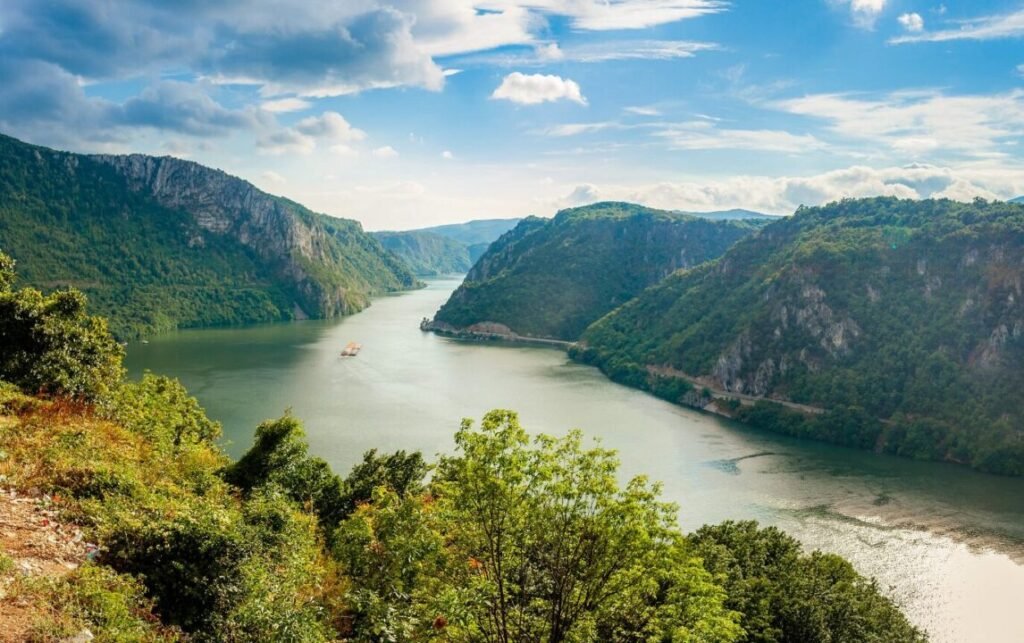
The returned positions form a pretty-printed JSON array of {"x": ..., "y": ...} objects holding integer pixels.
[{"x": 49, "y": 345}]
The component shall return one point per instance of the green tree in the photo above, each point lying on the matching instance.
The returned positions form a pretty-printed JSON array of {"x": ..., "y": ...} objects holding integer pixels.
[
  {"x": 557, "y": 551},
  {"x": 788, "y": 597},
  {"x": 49, "y": 345}
]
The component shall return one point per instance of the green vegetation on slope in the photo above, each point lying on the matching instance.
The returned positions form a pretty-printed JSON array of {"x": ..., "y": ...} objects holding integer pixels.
[
  {"x": 163, "y": 243},
  {"x": 904, "y": 318},
  {"x": 511, "y": 539},
  {"x": 552, "y": 278},
  {"x": 426, "y": 253}
]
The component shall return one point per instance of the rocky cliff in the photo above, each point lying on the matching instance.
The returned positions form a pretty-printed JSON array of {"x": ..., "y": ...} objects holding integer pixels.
[
  {"x": 907, "y": 312},
  {"x": 332, "y": 265},
  {"x": 160, "y": 243}
]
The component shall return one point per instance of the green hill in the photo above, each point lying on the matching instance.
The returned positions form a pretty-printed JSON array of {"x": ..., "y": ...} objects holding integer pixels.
[
  {"x": 905, "y": 319},
  {"x": 160, "y": 243},
  {"x": 426, "y": 253},
  {"x": 445, "y": 249},
  {"x": 551, "y": 278}
]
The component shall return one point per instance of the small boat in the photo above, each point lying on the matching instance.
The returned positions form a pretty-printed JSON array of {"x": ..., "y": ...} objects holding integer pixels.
[{"x": 351, "y": 349}]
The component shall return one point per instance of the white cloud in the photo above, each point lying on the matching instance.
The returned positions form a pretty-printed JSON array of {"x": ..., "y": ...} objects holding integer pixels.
[
  {"x": 912, "y": 123},
  {"x": 447, "y": 155},
  {"x": 330, "y": 126},
  {"x": 780, "y": 195},
  {"x": 1020, "y": 69},
  {"x": 1010, "y": 25},
  {"x": 574, "y": 129},
  {"x": 596, "y": 52},
  {"x": 864, "y": 12},
  {"x": 643, "y": 111},
  {"x": 286, "y": 141},
  {"x": 627, "y": 14},
  {"x": 538, "y": 88},
  {"x": 385, "y": 152},
  {"x": 705, "y": 135},
  {"x": 912, "y": 22},
  {"x": 285, "y": 105}
]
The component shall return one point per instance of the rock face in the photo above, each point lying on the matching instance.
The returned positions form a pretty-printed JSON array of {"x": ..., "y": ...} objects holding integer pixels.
[
  {"x": 550, "y": 278},
  {"x": 910, "y": 312},
  {"x": 161, "y": 243},
  {"x": 302, "y": 247}
]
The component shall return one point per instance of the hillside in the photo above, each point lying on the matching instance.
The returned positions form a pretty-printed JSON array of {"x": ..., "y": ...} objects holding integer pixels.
[
  {"x": 124, "y": 521},
  {"x": 905, "y": 319},
  {"x": 445, "y": 249},
  {"x": 551, "y": 278},
  {"x": 160, "y": 243},
  {"x": 427, "y": 254}
]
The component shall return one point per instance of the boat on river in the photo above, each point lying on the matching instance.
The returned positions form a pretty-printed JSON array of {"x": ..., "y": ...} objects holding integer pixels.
[{"x": 351, "y": 349}]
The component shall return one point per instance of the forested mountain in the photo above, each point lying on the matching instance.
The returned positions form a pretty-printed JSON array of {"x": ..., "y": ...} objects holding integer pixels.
[
  {"x": 445, "y": 249},
  {"x": 904, "y": 319},
  {"x": 160, "y": 243},
  {"x": 427, "y": 253},
  {"x": 551, "y": 278}
]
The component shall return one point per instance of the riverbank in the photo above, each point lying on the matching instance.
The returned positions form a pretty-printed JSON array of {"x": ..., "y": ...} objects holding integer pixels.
[{"x": 488, "y": 332}]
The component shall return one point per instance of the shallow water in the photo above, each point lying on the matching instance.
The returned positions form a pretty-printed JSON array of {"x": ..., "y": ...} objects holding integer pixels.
[{"x": 946, "y": 542}]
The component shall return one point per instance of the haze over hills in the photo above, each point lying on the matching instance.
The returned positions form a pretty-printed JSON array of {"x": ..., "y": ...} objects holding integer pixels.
[
  {"x": 732, "y": 215},
  {"x": 445, "y": 249},
  {"x": 550, "y": 278},
  {"x": 902, "y": 318},
  {"x": 161, "y": 243}
]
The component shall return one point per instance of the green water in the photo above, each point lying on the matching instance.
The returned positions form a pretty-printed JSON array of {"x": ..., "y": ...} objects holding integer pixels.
[{"x": 947, "y": 543}]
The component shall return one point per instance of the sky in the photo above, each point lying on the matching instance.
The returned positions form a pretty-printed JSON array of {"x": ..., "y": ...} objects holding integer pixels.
[{"x": 410, "y": 113}]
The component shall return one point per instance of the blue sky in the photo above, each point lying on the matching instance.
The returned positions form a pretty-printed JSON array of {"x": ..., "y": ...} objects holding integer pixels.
[{"x": 416, "y": 112}]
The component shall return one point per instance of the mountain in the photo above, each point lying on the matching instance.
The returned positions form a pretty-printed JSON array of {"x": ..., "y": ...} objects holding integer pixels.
[
  {"x": 1019, "y": 199},
  {"x": 550, "y": 278},
  {"x": 735, "y": 214},
  {"x": 903, "y": 320},
  {"x": 445, "y": 249},
  {"x": 427, "y": 253},
  {"x": 474, "y": 232},
  {"x": 160, "y": 243}
]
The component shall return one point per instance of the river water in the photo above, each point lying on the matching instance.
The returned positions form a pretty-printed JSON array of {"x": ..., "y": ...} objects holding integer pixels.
[{"x": 945, "y": 542}]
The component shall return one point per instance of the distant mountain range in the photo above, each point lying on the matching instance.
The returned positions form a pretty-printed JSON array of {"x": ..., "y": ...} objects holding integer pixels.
[
  {"x": 162, "y": 243},
  {"x": 731, "y": 215},
  {"x": 551, "y": 278},
  {"x": 1019, "y": 199},
  {"x": 445, "y": 249}
]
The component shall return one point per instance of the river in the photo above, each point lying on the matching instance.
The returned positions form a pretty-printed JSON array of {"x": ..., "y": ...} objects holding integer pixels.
[{"x": 945, "y": 542}]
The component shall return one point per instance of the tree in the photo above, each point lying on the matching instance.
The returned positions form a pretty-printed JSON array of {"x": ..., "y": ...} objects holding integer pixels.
[
  {"x": 49, "y": 345},
  {"x": 556, "y": 551},
  {"x": 787, "y": 597}
]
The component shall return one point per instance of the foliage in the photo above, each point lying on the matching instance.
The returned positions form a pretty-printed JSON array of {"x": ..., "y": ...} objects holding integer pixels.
[
  {"x": 553, "y": 549},
  {"x": 426, "y": 253},
  {"x": 72, "y": 220},
  {"x": 788, "y": 597},
  {"x": 111, "y": 606},
  {"x": 48, "y": 344},
  {"x": 903, "y": 318},
  {"x": 161, "y": 409},
  {"x": 552, "y": 278}
]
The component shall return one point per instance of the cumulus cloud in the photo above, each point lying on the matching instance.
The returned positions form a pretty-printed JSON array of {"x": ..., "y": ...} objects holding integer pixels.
[
  {"x": 273, "y": 177},
  {"x": 447, "y": 155},
  {"x": 781, "y": 195},
  {"x": 912, "y": 22},
  {"x": 864, "y": 12},
  {"x": 534, "y": 89},
  {"x": 331, "y": 126},
  {"x": 1009, "y": 25}
]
